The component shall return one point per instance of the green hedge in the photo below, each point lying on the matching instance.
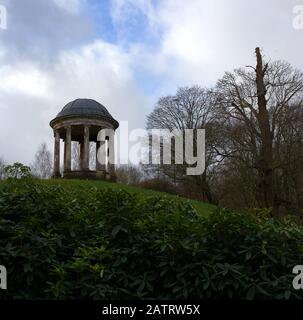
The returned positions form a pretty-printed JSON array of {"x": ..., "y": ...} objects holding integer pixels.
[{"x": 59, "y": 242}]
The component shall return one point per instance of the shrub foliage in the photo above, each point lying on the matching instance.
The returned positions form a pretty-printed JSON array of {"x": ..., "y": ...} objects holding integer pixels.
[{"x": 69, "y": 242}]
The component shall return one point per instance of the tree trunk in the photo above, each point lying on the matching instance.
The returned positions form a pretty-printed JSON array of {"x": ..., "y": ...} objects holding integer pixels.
[{"x": 266, "y": 153}]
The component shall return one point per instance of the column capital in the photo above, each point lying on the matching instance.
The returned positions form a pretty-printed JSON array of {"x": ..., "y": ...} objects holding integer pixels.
[
  {"x": 86, "y": 129},
  {"x": 56, "y": 134}
]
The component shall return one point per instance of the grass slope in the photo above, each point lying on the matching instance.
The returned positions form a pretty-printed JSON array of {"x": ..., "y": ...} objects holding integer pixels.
[{"x": 202, "y": 207}]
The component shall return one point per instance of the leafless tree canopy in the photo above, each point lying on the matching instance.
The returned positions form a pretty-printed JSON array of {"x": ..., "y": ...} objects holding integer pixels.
[
  {"x": 2, "y": 169},
  {"x": 129, "y": 174},
  {"x": 190, "y": 108},
  {"x": 42, "y": 164}
]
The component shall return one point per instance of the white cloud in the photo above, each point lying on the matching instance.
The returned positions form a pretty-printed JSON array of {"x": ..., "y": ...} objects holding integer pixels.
[
  {"x": 25, "y": 79},
  {"x": 71, "y": 6},
  {"x": 199, "y": 40}
]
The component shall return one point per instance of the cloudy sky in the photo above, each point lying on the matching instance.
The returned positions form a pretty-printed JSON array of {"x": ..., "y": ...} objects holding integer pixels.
[{"x": 125, "y": 54}]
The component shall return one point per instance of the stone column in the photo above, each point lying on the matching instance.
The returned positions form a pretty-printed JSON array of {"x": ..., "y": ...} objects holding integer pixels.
[
  {"x": 67, "y": 149},
  {"x": 111, "y": 155},
  {"x": 85, "y": 155},
  {"x": 81, "y": 145},
  {"x": 101, "y": 154},
  {"x": 56, "y": 172}
]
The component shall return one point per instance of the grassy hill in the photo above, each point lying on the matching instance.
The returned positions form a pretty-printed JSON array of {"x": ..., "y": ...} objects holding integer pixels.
[
  {"x": 97, "y": 240},
  {"x": 201, "y": 207}
]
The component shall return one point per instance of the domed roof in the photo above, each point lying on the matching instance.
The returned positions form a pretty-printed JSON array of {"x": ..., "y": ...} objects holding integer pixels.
[{"x": 86, "y": 107}]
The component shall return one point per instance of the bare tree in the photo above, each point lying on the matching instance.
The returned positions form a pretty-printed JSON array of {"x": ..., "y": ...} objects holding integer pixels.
[
  {"x": 42, "y": 164},
  {"x": 129, "y": 174},
  {"x": 252, "y": 107},
  {"x": 2, "y": 169},
  {"x": 190, "y": 108}
]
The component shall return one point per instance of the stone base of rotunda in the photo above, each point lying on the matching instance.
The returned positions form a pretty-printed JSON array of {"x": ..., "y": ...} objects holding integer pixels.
[{"x": 89, "y": 174}]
